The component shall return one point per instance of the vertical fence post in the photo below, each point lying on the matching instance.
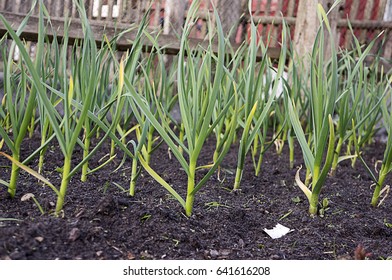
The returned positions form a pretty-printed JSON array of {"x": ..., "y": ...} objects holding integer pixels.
[
  {"x": 230, "y": 14},
  {"x": 174, "y": 16},
  {"x": 306, "y": 25}
]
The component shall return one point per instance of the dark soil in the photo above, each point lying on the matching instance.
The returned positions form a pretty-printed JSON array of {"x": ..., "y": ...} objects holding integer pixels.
[{"x": 102, "y": 222}]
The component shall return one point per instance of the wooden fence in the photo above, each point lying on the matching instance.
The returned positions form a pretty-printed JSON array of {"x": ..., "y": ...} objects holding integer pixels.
[{"x": 109, "y": 16}]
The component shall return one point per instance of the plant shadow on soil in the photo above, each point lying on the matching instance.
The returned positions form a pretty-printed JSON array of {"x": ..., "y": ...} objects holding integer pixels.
[{"x": 100, "y": 221}]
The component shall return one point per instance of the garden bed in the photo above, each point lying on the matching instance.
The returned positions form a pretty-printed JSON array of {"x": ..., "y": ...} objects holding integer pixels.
[
  {"x": 230, "y": 106},
  {"x": 100, "y": 221}
]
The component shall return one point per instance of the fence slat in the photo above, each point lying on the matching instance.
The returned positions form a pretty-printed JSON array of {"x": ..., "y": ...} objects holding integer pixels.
[
  {"x": 267, "y": 12},
  {"x": 157, "y": 14},
  {"x": 275, "y": 29},
  {"x": 120, "y": 10},
  {"x": 381, "y": 9},
  {"x": 290, "y": 8},
  {"x": 2, "y": 5},
  {"x": 258, "y": 7},
  {"x": 90, "y": 9},
  {"x": 367, "y": 16},
  {"x": 16, "y": 6},
  {"x": 74, "y": 10},
  {"x": 110, "y": 6}
]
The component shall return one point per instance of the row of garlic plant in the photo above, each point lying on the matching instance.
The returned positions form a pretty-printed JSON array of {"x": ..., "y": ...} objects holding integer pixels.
[
  {"x": 219, "y": 96},
  {"x": 78, "y": 90},
  {"x": 198, "y": 91},
  {"x": 258, "y": 96},
  {"x": 340, "y": 103},
  {"x": 19, "y": 113}
]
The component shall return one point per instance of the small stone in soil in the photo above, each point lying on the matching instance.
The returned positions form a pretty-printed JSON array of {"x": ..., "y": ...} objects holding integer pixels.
[
  {"x": 39, "y": 239},
  {"x": 214, "y": 253},
  {"x": 74, "y": 234}
]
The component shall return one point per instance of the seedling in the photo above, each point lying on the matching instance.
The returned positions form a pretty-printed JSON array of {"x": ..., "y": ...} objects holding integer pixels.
[{"x": 324, "y": 207}]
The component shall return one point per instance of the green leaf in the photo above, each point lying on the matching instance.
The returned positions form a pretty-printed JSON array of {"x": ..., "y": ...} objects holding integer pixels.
[
  {"x": 161, "y": 181},
  {"x": 31, "y": 171}
]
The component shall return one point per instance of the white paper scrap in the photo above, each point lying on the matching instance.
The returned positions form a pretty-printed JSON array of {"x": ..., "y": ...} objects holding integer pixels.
[{"x": 278, "y": 231}]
